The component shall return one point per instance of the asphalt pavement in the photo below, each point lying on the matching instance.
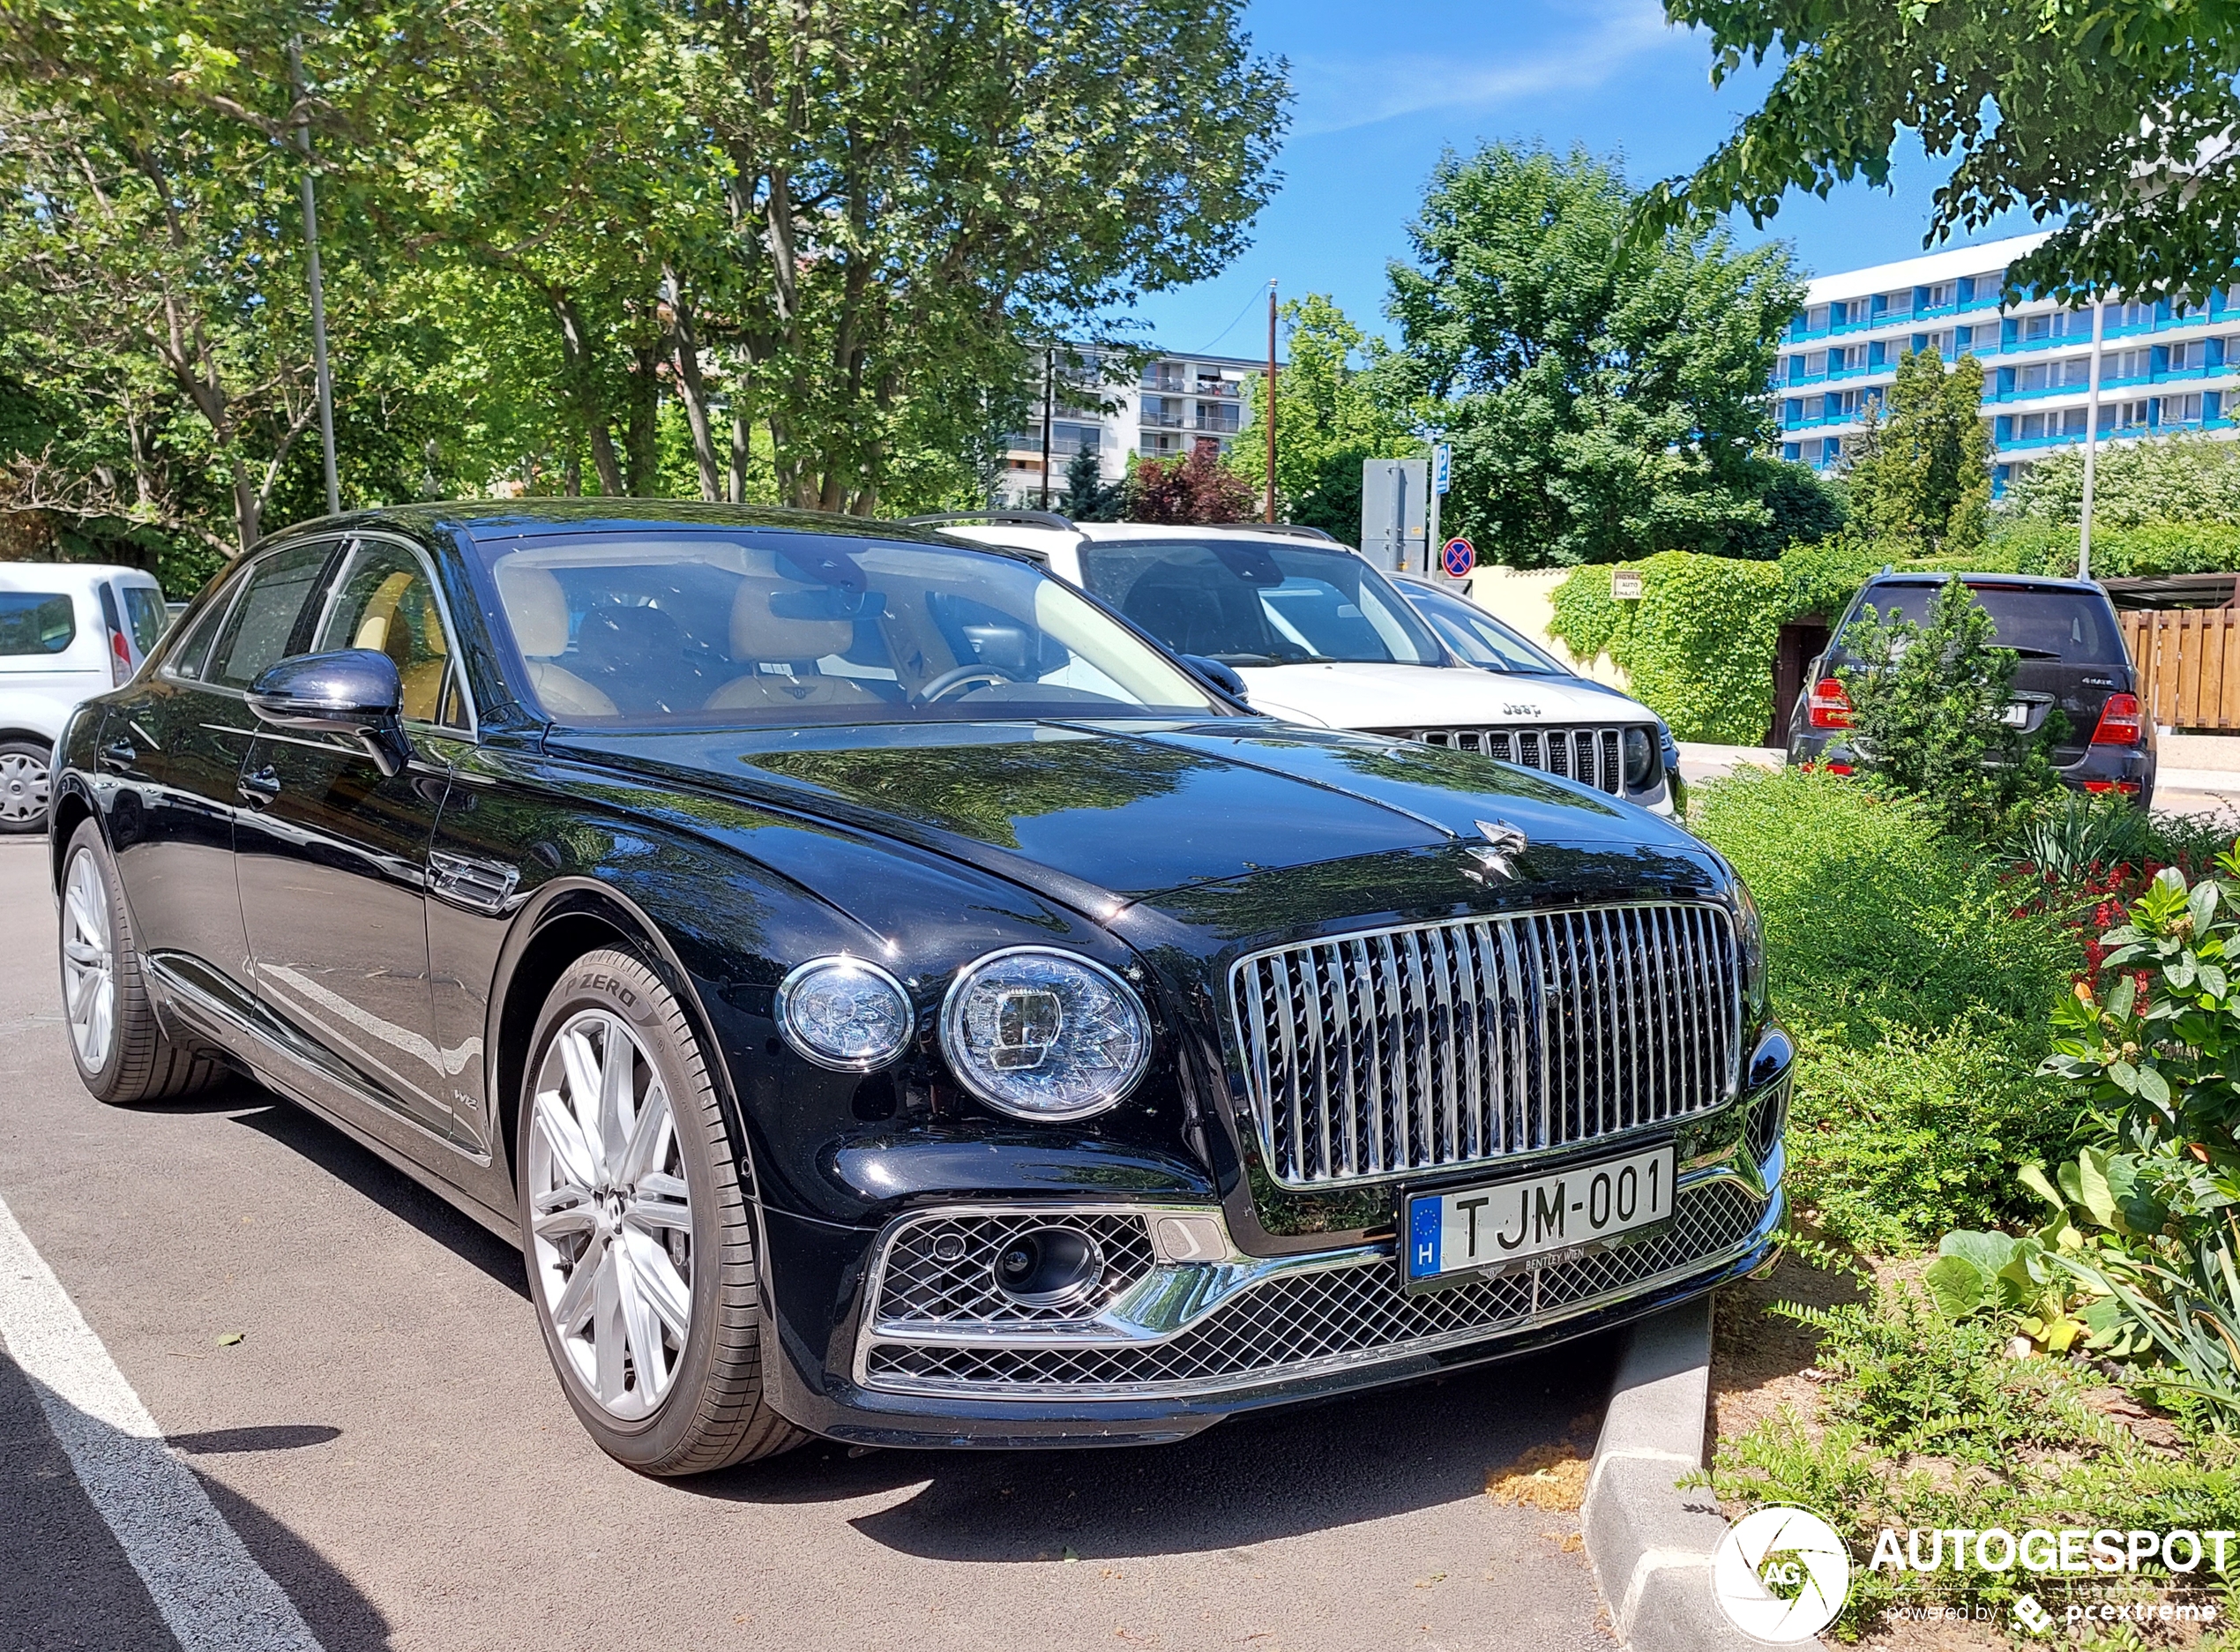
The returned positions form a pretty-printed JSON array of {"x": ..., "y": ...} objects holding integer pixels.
[{"x": 278, "y": 1339}]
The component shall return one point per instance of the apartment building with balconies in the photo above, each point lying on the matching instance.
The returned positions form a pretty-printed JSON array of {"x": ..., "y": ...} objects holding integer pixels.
[
  {"x": 1170, "y": 406},
  {"x": 2163, "y": 367}
]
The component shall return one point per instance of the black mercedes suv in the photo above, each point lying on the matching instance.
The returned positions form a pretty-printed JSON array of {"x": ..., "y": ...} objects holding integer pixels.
[{"x": 2072, "y": 656}]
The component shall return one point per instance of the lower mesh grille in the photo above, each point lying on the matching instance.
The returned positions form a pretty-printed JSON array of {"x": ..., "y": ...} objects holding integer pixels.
[
  {"x": 937, "y": 1269},
  {"x": 1293, "y": 1322}
]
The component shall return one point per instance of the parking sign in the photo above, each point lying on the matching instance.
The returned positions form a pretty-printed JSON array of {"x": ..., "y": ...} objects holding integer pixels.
[
  {"x": 1442, "y": 463},
  {"x": 1458, "y": 556}
]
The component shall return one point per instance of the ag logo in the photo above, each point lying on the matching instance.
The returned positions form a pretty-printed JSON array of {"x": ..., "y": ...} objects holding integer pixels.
[{"x": 1781, "y": 1574}]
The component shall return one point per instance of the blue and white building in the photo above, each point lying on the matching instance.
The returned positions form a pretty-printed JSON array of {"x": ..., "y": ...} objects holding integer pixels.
[{"x": 2165, "y": 368}]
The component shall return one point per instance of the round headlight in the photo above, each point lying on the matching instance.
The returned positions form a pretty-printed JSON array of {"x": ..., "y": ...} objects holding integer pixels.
[
  {"x": 1044, "y": 1034},
  {"x": 1641, "y": 759},
  {"x": 845, "y": 1013}
]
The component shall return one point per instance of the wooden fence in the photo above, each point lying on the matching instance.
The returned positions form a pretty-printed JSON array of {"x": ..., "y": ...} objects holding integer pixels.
[{"x": 2188, "y": 664}]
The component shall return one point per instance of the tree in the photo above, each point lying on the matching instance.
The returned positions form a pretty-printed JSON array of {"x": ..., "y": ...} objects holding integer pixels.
[
  {"x": 1088, "y": 497},
  {"x": 1606, "y": 397},
  {"x": 2111, "y": 118},
  {"x": 1929, "y": 707},
  {"x": 1923, "y": 475},
  {"x": 1197, "y": 488},
  {"x": 2177, "y": 478},
  {"x": 1334, "y": 408}
]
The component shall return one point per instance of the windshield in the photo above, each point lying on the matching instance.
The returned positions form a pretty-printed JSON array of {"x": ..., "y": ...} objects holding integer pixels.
[
  {"x": 1248, "y": 602},
  {"x": 144, "y": 611},
  {"x": 773, "y": 628},
  {"x": 2038, "y": 622},
  {"x": 1478, "y": 636}
]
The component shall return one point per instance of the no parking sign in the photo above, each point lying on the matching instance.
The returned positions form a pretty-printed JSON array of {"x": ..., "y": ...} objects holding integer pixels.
[{"x": 1458, "y": 556}]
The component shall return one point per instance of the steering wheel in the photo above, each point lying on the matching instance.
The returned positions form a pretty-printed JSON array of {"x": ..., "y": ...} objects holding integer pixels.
[{"x": 956, "y": 677}]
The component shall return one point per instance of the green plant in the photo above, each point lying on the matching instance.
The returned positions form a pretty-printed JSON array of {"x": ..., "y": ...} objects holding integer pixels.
[
  {"x": 1922, "y": 476},
  {"x": 2070, "y": 838},
  {"x": 1928, "y": 712}
]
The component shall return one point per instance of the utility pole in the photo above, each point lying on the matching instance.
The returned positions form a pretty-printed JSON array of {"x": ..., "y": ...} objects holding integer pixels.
[
  {"x": 318, "y": 295},
  {"x": 2092, "y": 442},
  {"x": 1050, "y": 385},
  {"x": 1270, "y": 399}
]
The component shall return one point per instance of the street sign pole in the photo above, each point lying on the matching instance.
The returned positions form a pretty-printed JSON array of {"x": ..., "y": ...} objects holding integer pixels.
[{"x": 1431, "y": 498}]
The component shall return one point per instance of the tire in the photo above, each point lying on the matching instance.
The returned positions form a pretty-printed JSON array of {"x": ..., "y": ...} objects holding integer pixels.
[
  {"x": 636, "y": 1222},
  {"x": 27, "y": 769},
  {"x": 118, "y": 1046}
]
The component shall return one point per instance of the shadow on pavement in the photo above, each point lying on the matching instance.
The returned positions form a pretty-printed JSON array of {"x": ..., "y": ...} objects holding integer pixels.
[
  {"x": 368, "y": 1173},
  {"x": 1252, "y": 1479},
  {"x": 272, "y": 1437},
  {"x": 65, "y": 1581}
]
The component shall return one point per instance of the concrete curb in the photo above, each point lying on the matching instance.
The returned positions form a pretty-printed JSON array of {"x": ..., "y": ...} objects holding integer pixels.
[{"x": 1652, "y": 1543}]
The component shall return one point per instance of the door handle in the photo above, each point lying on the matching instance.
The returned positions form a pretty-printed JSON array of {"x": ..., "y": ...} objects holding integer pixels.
[
  {"x": 258, "y": 788},
  {"x": 118, "y": 756}
]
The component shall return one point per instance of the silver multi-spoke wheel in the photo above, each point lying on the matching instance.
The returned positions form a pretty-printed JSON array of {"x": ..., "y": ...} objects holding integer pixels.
[
  {"x": 610, "y": 1214},
  {"x": 89, "y": 960},
  {"x": 23, "y": 780}
]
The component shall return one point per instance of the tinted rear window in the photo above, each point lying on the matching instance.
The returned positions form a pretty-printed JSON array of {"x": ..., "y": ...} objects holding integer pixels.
[
  {"x": 144, "y": 611},
  {"x": 35, "y": 622},
  {"x": 2041, "y": 623}
]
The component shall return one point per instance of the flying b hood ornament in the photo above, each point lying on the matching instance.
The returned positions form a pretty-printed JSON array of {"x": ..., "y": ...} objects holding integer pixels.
[{"x": 1503, "y": 843}]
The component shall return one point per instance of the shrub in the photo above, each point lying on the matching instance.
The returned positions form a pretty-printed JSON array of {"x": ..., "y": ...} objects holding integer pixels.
[
  {"x": 1915, "y": 991},
  {"x": 1929, "y": 705}
]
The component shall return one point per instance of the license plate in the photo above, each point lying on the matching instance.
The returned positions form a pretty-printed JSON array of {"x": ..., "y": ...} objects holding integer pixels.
[
  {"x": 2017, "y": 715},
  {"x": 1503, "y": 1223}
]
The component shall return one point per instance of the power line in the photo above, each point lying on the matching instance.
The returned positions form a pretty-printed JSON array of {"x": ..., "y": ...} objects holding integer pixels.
[{"x": 1225, "y": 331}]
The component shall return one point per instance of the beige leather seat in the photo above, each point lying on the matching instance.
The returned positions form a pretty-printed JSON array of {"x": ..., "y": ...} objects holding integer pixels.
[
  {"x": 538, "y": 609},
  {"x": 398, "y": 621},
  {"x": 759, "y": 637}
]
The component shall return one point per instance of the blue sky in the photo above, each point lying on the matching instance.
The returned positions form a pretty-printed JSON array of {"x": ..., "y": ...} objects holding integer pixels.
[{"x": 1381, "y": 90}]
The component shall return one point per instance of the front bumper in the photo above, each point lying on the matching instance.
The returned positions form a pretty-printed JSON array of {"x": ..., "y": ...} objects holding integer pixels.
[{"x": 1180, "y": 1338}]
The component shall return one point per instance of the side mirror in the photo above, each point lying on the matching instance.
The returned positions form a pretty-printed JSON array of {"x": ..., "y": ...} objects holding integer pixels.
[
  {"x": 1219, "y": 674},
  {"x": 352, "y": 691}
]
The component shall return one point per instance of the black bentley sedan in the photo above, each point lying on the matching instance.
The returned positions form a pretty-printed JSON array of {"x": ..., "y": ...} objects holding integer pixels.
[{"x": 888, "y": 997}]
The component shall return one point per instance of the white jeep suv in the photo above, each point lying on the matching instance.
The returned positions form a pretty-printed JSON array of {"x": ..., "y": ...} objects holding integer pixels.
[
  {"x": 68, "y": 631},
  {"x": 1317, "y": 635}
]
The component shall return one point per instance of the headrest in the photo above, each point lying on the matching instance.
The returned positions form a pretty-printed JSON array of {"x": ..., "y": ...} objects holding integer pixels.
[
  {"x": 537, "y": 606},
  {"x": 757, "y": 633}
]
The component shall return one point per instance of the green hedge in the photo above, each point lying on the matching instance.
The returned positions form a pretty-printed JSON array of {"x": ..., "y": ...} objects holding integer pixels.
[{"x": 2154, "y": 548}]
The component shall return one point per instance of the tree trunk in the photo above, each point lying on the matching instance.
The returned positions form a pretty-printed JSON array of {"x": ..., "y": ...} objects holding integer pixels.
[
  {"x": 739, "y": 458},
  {"x": 583, "y": 390},
  {"x": 641, "y": 431},
  {"x": 692, "y": 390},
  {"x": 246, "y": 513}
]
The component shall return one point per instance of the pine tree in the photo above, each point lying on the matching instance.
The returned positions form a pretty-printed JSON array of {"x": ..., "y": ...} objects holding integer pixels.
[{"x": 1923, "y": 477}]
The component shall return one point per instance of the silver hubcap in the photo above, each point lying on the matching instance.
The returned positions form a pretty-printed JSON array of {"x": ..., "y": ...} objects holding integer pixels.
[
  {"x": 89, "y": 962},
  {"x": 610, "y": 1217},
  {"x": 23, "y": 787}
]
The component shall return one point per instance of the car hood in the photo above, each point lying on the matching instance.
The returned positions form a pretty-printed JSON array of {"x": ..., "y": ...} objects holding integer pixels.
[
  {"x": 1100, "y": 815},
  {"x": 1386, "y": 696}
]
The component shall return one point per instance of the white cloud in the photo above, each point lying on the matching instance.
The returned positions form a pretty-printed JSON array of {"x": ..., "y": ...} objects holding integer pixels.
[{"x": 1339, "y": 95}]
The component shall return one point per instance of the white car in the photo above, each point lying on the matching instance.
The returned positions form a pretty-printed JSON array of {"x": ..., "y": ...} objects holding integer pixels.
[
  {"x": 68, "y": 631},
  {"x": 1315, "y": 634}
]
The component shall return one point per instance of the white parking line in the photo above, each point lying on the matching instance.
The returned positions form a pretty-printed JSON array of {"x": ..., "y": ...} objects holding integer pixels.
[{"x": 211, "y": 1593}]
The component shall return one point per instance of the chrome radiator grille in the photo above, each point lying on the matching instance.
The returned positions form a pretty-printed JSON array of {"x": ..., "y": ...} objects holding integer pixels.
[
  {"x": 1396, "y": 1050},
  {"x": 1591, "y": 756}
]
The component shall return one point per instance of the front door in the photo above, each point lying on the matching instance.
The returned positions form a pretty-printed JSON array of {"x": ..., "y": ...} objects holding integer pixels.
[
  {"x": 332, "y": 856},
  {"x": 173, "y": 747}
]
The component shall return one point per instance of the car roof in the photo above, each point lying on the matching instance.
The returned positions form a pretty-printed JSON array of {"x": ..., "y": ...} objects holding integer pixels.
[
  {"x": 492, "y": 520},
  {"x": 24, "y": 575},
  {"x": 2028, "y": 581}
]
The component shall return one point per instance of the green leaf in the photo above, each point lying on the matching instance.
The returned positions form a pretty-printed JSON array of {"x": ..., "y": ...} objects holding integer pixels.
[
  {"x": 2124, "y": 1076},
  {"x": 2203, "y": 906},
  {"x": 2094, "y": 1193},
  {"x": 2153, "y": 1086},
  {"x": 1988, "y": 1251},
  {"x": 2179, "y": 972},
  {"x": 2120, "y": 1000},
  {"x": 2033, "y": 1178},
  {"x": 1958, "y": 1285},
  {"x": 226, "y": 1339}
]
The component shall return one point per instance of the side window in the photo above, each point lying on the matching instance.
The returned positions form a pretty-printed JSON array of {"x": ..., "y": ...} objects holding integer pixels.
[
  {"x": 263, "y": 616},
  {"x": 35, "y": 622},
  {"x": 386, "y": 602}
]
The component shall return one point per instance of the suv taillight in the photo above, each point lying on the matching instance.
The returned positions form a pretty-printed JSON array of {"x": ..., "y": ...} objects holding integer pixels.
[
  {"x": 120, "y": 659},
  {"x": 2119, "y": 721},
  {"x": 1829, "y": 707}
]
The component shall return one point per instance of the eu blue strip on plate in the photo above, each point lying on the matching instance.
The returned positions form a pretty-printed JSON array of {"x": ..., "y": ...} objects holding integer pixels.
[{"x": 1423, "y": 1226}]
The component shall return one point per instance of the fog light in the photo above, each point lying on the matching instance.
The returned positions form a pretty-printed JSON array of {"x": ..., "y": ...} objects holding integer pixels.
[{"x": 1048, "y": 1267}]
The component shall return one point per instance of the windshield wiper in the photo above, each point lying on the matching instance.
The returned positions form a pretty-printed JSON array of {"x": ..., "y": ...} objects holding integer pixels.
[{"x": 1244, "y": 658}]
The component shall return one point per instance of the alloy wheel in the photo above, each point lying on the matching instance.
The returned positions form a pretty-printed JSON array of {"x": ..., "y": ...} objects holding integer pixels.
[
  {"x": 89, "y": 962},
  {"x": 23, "y": 787},
  {"x": 611, "y": 1214}
]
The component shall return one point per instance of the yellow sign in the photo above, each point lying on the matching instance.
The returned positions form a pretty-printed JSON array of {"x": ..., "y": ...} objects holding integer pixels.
[{"x": 1625, "y": 586}]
